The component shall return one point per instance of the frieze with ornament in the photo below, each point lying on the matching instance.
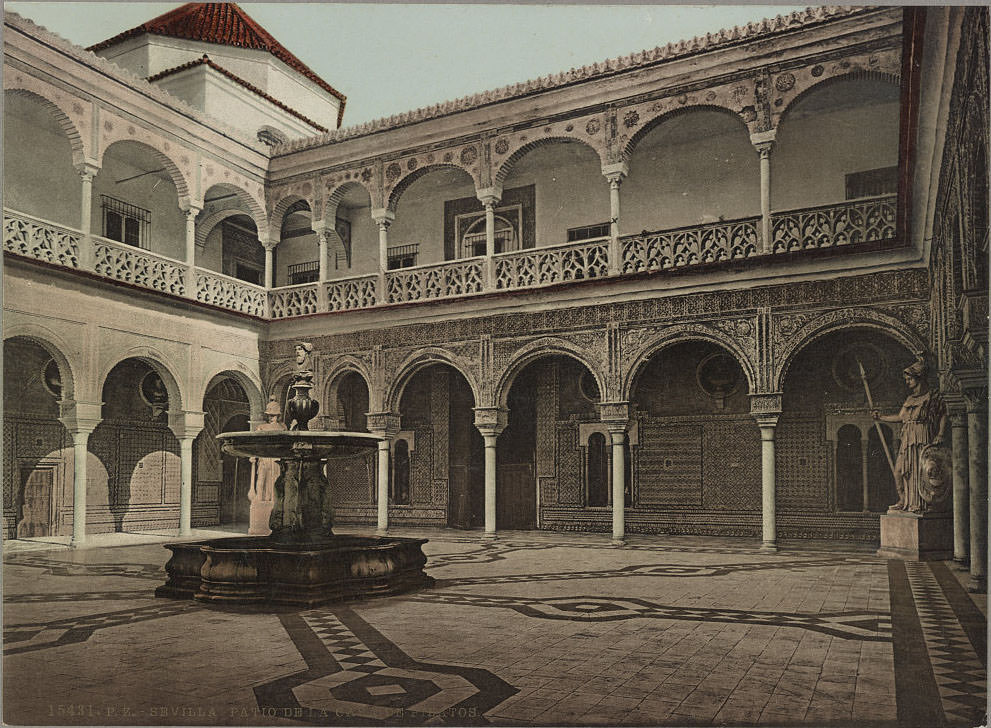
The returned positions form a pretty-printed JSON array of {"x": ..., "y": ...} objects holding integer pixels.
[
  {"x": 214, "y": 173},
  {"x": 850, "y": 291},
  {"x": 404, "y": 170},
  {"x": 786, "y": 86}
]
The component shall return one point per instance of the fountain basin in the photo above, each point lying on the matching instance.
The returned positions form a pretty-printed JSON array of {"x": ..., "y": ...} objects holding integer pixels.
[
  {"x": 263, "y": 570},
  {"x": 302, "y": 563}
]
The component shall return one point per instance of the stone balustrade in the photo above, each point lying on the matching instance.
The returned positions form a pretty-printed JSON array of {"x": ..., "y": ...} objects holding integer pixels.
[{"x": 842, "y": 224}]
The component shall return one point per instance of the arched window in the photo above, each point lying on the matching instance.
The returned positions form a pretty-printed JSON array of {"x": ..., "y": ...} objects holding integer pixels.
[
  {"x": 400, "y": 473},
  {"x": 597, "y": 471},
  {"x": 473, "y": 241}
]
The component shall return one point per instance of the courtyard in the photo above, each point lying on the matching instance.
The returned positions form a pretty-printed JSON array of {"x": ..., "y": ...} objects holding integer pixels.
[{"x": 528, "y": 629}]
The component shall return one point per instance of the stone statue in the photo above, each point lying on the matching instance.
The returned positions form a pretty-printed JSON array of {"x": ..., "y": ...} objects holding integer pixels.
[
  {"x": 264, "y": 473},
  {"x": 922, "y": 473},
  {"x": 304, "y": 364}
]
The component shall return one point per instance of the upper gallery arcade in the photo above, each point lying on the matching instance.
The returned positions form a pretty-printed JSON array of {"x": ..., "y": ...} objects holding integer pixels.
[{"x": 625, "y": 296}]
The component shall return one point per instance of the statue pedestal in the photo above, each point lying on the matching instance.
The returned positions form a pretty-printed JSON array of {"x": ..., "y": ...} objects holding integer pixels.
[
  {"x": 913, "y": 537},
  {"x": 258, "y": 518}
]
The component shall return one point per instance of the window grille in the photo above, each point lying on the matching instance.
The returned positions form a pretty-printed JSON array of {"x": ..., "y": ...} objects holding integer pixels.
[
  {"x": 307, "y": 272},
  {"x": 588, "y": 232},
  {"x": 402, "y": 256},
  {"x": 125, "y": 223}
]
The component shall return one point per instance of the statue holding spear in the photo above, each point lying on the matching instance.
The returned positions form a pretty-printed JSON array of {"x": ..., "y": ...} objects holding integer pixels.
[{"x": 922, "y": 468}]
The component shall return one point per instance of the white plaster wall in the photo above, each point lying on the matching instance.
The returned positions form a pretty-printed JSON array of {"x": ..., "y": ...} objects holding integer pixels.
[
  {"x": 210, "y": 255},
  {"x": 149, "y": 55},
  {"x": 102, "y": 324},
  {"x": 420, "y": 212},
  {"x": 817, "y": 147},
  {"x": 38, "y": 175},
  {"x": 153, "y": 192},
  {"x": 688, "y": 170},
  {"x": 570, "y": 190},
  {"x": 364, "y": 242},
  {"x": 301, "y": 249}
]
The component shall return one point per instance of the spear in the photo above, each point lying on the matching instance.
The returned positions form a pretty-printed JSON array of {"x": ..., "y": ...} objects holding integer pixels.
[{"x": 877, "y": 424}]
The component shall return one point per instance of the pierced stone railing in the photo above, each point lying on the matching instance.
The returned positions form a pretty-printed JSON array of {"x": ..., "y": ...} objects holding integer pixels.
[
  {"x": 535, "y": 267},
  {"x": 441, "y": 280},
  {"x": 230, "y": 293},
  {"x": 123, "y": 262},
  {"x": 710, "y": 243},
  {"x": 828, "y": 226},
  {"x": 40, "y": 239},
  {"x": 347, "y": 294},
  {"x": 293, "y": 300}
]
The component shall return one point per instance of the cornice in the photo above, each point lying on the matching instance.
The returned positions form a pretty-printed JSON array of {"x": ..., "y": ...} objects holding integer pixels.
[{"x": 641, "y": 59}]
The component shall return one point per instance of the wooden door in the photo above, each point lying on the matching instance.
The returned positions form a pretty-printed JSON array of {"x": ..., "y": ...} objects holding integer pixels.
[
  {"x": 36, "y": 502},
  {"x": 516, "y": 497}
]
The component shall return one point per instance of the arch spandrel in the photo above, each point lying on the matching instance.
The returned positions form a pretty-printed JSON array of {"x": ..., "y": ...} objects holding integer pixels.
[
  {"x": 280, "y": 202},
  {"x": 396, "y": 383},
  {"x": 179, "y": 162},
  {"x": 792, "y": 334},
  {"x": 72, "y": 114},
  {"x": 509, "y": 150},
  {"x": 68, "y": 359},
  {"x": 736, "y": 100},
  {"x": 639, "y": 347},
  {"x": 541, "y": 348},
  {"x": 336, "y": 187},
  {"x": 399, "y": 177},
  {"x": 176, "y": 385},
  {"x": 249, "y": 381},
  {"x": 787, "y": 88}
]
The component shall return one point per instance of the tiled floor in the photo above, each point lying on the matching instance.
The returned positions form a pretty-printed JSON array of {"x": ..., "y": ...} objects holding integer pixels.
[{"x": 532, "y": 628}]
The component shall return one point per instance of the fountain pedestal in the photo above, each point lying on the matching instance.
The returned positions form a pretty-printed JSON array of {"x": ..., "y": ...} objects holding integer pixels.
[{"x": 302, "y": 563}]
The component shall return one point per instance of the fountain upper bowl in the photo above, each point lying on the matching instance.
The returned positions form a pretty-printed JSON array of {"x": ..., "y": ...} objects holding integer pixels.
[{"x": 304, "y": 444}]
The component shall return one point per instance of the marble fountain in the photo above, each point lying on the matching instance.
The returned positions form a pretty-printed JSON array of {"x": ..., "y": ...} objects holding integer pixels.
[{"x": 302, "y": 562}]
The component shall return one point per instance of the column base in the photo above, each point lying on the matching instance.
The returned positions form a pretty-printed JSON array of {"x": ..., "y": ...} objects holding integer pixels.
[
  {"x": 381, "y": 531},
  {"x": 77, "y": 543},
  {"x": 618, "y": 542},
  {"x": 961, "y": 564},
  {"x": 769, "y": 546},
  {"x": 977, "y": 585},
  {"x": 489, "y": 536},
  {"x": 915, "y": 537}
]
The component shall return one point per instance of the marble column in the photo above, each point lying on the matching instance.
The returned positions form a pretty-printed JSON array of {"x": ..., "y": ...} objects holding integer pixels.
[
  {"x": 86, "y": 250},
  {"x": 977, "y": 440},
  {"x": 490, "y": 421},
  {"x": 961, "y": 489},
  {"x": 80, "y": 419},
  {"x": 320, "y": 228},
  {"x": 763, "y": 142},
  {"x": 186, "y": 485},
  {"x": 386, "y": 426},
  {"x": 615, "y": 173},
  {"x": 617, "y": 434},
  {"x": 489, "y": 199},
  {"x": 383, "y": 218},
  {"x": 769, "y": 530},
  {"x": 191, "y": 213}
]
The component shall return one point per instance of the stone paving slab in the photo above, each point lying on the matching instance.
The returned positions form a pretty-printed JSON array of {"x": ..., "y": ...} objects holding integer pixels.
[{"x": 529, "y": 629}]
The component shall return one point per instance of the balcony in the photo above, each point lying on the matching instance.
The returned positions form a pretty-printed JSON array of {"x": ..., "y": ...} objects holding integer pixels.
[{"x": 847, "y": 224}]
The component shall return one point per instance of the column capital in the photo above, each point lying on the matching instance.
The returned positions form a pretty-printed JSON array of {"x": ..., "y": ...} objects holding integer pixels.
[
  {"x": 761, "y": 139},
  {"x": 186, "y": 424},
  {"x": 615, "y": 415},
  {"x": 489, "y": 195},
  {"x": 766, "y": 422},
  {"x": 616, "y": 171},
  {"x": 383, "y": 216},
  {"x": 490, "y": 421},
  {"x": 267, "y": 242},
  {"x": 765, "y": 403},
  {"x": 189, "y": 207},
  {"x": 88, "y": 169},
  {"x": 320, "y": 227},
  {"x": 383, "y": 424},
  {"x": 80, "y": 417}
]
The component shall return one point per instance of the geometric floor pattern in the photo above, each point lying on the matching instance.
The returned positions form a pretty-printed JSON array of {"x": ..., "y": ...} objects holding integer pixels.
[{"x": 530, "y": 629}]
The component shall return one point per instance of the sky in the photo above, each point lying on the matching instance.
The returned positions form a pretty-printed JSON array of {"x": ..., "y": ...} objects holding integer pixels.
[{"x": 390, "y": 58}]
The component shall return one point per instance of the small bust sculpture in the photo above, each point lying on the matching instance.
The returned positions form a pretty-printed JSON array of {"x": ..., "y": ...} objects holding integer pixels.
[
  {"x": 304, "y": 363},
  {"x": 921, "y": 469}
]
